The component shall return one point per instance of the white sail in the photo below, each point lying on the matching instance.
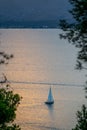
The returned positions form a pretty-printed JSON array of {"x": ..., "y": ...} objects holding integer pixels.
[{"x": 50, "y": 99}]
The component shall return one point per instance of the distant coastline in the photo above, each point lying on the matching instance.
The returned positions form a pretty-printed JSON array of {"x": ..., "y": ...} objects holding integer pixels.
[{"x": 29, "y": 24}]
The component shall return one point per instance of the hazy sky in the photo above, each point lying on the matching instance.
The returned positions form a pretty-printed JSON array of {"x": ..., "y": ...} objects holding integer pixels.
[{"x": 33, "y": 9}]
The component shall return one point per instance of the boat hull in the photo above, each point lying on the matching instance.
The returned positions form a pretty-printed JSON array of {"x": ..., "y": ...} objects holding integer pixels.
[{"x": 49, "y": 103}]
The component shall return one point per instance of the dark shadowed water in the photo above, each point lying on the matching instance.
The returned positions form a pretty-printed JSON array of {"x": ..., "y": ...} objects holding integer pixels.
[{"x": 40, "y": 57}]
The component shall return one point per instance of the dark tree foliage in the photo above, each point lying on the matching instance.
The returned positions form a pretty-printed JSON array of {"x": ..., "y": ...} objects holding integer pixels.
[
  {"x": 81, "y": 119},
  {"x": 4, "y": 58},
  {"x": 8, "y": 100},
  {"x": 8, "y": 106},
  {"x": 76, "y": 32}
]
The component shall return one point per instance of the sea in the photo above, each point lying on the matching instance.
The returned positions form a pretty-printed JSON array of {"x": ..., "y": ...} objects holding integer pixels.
[{"x": 43, "y": 60}]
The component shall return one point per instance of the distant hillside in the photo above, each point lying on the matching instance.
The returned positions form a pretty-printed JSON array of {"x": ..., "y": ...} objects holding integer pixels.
[
  {"x": 28, "y": 13},
  {"x": 29, "y": 24}
]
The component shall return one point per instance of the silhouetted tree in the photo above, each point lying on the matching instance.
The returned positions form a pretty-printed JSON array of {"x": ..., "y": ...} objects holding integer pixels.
[
  {"x": 4, "y": 58},
  {"x": 76, "y": 33},
  {"x": 81, "y": 119},
  {"x": 8, "y": 100}
]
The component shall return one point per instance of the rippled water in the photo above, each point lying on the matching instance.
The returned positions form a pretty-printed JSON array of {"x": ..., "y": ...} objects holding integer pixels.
[{"x": 41, "y": 57}]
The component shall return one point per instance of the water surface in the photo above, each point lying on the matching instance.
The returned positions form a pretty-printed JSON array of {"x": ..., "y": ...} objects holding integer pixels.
[{"x": 41, "y": 57}]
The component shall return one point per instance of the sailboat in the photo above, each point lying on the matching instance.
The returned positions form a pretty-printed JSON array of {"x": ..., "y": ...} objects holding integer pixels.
[{"x": 50, "y": 99}]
